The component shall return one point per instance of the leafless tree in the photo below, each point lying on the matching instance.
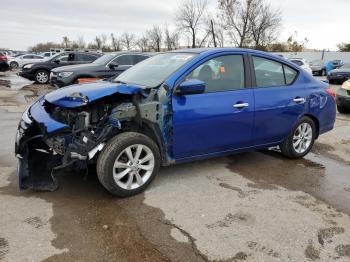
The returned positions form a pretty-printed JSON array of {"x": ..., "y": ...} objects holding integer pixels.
[
  {"x": 189, "y": 17},
  {"x": 116, "y": 43},
  {"x": 171, "y": 39},
  {"x": 265, "y": 23},
  {"x": 66, "y": 42},
  {"x": 142, "y": 43},
  {"x": 81, "y": 42},
  {"x": 235, "y": 15},
  {"x": 249, "y": 22},
  {"x": 155, "y": 36},
  {"x": 128, "y": 40}
]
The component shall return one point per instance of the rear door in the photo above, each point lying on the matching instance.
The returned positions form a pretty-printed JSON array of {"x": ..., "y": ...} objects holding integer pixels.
[
  {"x": 219, "y": 120},
  {"x": 278, "y": 100}
]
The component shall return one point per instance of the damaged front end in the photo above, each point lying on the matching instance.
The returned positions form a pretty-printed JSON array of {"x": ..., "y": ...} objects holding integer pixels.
[{"x": 67, "y": 128}]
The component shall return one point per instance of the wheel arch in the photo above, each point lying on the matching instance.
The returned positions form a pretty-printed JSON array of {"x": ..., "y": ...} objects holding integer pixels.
[
  {"x": 151, "y": 130},
  {"x": 316, "y": 121}
]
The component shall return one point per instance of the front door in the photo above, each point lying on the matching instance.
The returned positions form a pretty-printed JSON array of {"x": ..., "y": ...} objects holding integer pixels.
[{"x": 221, "y": 119}]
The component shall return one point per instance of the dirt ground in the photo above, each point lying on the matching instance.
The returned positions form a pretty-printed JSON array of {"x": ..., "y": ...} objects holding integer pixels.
[{"x": 254, "y": 206}]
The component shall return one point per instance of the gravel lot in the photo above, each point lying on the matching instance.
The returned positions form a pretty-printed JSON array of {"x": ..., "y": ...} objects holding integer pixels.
[{"x": 254, "y": 206}]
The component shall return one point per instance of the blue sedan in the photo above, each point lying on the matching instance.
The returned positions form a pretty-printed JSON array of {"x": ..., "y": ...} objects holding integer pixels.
[{"x": 174, "y": 107}]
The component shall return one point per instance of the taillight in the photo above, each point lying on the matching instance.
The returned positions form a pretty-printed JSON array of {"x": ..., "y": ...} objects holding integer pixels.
[
  {"x": 331, "y": 92},
  {"x": 3, "y": 58}
]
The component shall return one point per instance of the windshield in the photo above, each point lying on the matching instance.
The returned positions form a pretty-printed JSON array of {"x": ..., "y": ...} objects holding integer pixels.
[
  {"x": 155, "y": 70},
  {"x": 104, "y": 59}
]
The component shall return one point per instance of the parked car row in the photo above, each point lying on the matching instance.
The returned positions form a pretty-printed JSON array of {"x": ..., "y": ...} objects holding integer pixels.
[
  {"x": 67, "y": 68},
  {"x": 106, "y": 66}
]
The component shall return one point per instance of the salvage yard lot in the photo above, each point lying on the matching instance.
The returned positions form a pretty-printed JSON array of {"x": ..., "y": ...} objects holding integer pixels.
[{"x": 254, "y": 206}]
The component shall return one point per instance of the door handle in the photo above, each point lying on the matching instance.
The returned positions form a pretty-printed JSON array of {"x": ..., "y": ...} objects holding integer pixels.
[
  {"x": 240, "y": 105},
  {"x": 299, "y": 100}
]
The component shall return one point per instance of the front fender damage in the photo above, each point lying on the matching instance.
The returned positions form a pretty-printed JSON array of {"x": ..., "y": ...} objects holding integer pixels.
[{"x": 64, "y": 137}]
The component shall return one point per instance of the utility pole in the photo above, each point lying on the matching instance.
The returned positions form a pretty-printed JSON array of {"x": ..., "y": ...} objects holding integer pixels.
[{"x": 212, "y": 31}]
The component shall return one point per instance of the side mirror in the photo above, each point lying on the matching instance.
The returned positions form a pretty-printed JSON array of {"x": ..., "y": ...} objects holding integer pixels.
[
  {"x": 113, "y": 65},
  {"x": 57, "y": 61},
  {"x": 190, "y": 87}
]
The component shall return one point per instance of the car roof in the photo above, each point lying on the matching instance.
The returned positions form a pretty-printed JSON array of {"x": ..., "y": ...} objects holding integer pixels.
[
  {"x": 216, "y": 49},
  {"x": 130, "y": 53}
]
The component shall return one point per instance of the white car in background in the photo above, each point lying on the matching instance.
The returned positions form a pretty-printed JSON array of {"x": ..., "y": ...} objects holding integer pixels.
[
  {"x": 302, "y": 63},
  {"x": 19, "y": 61}
]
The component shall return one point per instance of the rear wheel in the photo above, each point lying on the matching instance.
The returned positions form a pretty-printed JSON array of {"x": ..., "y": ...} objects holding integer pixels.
[
  {"x": 42, "y": 76},
  {"x": 128, "y": 164},
  {"x": 341, "y": 109},
  {"x": 300, "y": 140},
  {"x": 14, "y": 65}
]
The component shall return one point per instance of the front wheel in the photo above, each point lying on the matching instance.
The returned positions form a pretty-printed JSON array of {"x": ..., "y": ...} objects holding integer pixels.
[
  {"x": 300, "y": 140},
  {"x": 42, "y": 76},
  {"x": 128, "y": 164},
  {"x": 14, "y": 65}
]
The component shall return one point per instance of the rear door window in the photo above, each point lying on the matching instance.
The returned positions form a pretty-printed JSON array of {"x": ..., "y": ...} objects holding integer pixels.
[
  {"x": 269, "y": 73},
  {"x": 85, "y": 57},
  {"x": 124, "y": 60}
]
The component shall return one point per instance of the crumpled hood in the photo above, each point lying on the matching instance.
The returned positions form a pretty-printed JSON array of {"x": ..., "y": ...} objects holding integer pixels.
[{"x": 80, "y": 95}]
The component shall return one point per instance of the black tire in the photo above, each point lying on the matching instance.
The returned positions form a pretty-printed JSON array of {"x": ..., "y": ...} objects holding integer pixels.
[
  {"x": 341, "y": 109},
  {"x": 111, "y": 152},
  {"x": 39, "y": 76},
  {"x": 287, "y": 148},
  {"x": 14, "y": 65}
]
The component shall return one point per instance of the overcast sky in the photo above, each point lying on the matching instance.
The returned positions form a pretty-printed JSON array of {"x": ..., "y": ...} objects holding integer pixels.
[{"x": 24, "y": 23}]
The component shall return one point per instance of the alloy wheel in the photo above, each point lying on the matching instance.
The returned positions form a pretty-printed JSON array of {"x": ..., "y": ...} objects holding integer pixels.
[
  {"x": 302, "y": 138},
  {"x": 133, "y": 167},
  {"x": 42, "y": 77}
]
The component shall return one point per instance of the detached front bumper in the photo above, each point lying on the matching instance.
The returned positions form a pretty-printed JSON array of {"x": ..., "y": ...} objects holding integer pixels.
[
  {"x": 36, "y": 160},
  {"x": 44, "y": 145}
]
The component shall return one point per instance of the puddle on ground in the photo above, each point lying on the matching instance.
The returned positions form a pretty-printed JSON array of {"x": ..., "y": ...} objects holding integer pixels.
[
  {"x": 327, "y": 180},
  {"x": 13, "y": 81}
]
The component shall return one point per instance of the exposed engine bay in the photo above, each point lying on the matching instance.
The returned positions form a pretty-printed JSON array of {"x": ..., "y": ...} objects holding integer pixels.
[{"x": 72, "y": 136}]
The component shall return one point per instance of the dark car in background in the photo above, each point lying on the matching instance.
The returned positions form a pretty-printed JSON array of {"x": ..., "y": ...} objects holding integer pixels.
[
  {"x": 106, "y": 66},
  {"x": 339, "y": 75},
  {"x": 343, "y": 98},
  {"x": 3, "y": 63},
  {"x": 40, "y": 71}
]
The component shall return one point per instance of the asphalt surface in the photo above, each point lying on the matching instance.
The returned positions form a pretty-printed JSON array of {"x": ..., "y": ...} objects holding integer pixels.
[{"x": 254, "y": 206}]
